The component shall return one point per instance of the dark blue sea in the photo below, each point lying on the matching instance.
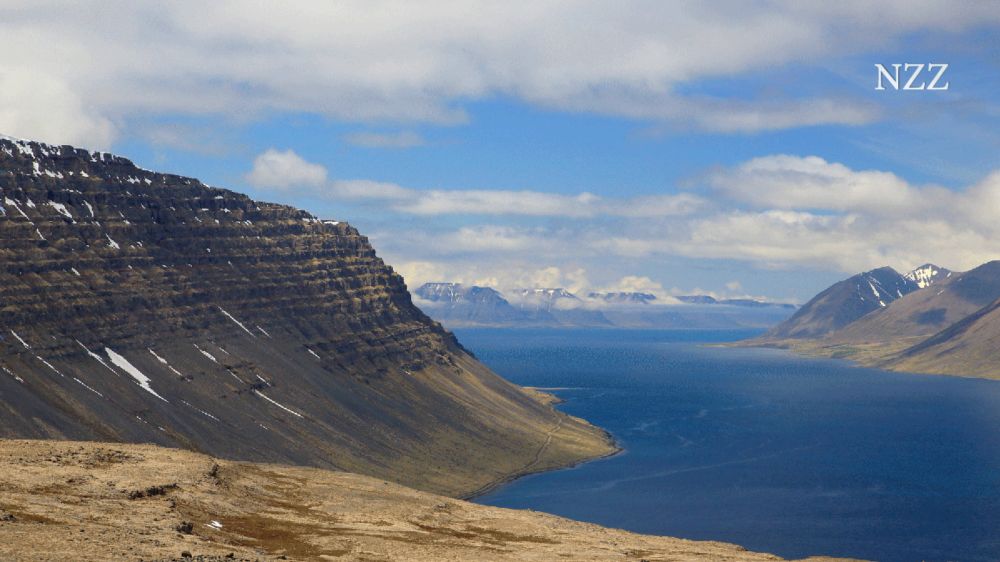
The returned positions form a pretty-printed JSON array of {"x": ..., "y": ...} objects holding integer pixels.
[{"x": 761, "y": 448}]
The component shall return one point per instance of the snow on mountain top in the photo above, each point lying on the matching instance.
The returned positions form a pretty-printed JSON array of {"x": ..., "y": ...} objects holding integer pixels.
[{"x": 926, "y": 275}]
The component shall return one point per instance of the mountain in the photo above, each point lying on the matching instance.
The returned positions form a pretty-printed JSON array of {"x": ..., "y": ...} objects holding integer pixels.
[
  {"x": 460, "y": 306},
  {"x": 623, "y": 297},
  {"x": 567, "y": 309},
  {"x": 468, "y": 305},
  {"x": 697, "y": 299},
  {"x": 967, "y": 347},
  {"x": 753, "y": 303},
  {"x": 137, "y": 306},
  {"x": 926, "y": 312},
  {"x": 928, "y": 274},
  {"x": 843, "y": 303},
  {"x": 949, "y": 325},
  {"x": 546, "y": 299}
]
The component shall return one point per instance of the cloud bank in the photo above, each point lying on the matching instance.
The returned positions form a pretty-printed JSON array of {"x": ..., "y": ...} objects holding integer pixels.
[
  {"x": 82, "y": 73},
  {"x": 775, "y": 212}
]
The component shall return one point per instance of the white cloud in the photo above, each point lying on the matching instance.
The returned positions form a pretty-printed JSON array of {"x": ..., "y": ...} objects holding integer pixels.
[
  {"x": 774, "y": 212},
  {"x": 38, "y": 106},
  {"x": 431, "y": 202},
  {"x": 401, "y": 139},
  {"x": 514, "y": 275},
  {"x": 396, "y": 61},
  {"x": 283, "y": 170},
  {"x": 640, "y": 284},
  {"x": 792, "y": 182}
]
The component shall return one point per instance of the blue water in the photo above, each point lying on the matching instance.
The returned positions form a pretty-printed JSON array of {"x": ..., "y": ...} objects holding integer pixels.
[{"x": 761, "y": 448}]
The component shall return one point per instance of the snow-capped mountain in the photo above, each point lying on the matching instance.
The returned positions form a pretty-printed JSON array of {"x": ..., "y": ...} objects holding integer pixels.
[
  {"x": 622, "y": 297},
  {"x": 755, "y": 303},
  {"x": 546, "y": 298},
  {"x": 457, "y": 305},
  {"x": 462, "y": 304},
  {"x": 844, "y": 302},
  {"x": 928, "y": 274}
]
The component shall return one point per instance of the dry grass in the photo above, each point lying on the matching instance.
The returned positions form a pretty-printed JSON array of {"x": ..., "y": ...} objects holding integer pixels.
[{"x": 72, "y": 501}]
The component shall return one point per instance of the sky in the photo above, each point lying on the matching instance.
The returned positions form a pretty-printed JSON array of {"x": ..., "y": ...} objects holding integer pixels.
[{"x": 726, "y": 148}]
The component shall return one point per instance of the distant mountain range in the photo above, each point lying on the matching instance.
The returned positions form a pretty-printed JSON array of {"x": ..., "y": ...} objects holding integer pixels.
[
  {"x": 458, "y": 305},
  {"x": 929, "y": 320}
]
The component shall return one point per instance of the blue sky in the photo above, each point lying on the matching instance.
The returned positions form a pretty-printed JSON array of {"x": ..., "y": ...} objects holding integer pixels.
[{"x": 732, "y": 148}]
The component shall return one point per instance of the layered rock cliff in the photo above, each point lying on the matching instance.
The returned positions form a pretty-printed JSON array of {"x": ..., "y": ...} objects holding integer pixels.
[{"x": 146, "y": 307}]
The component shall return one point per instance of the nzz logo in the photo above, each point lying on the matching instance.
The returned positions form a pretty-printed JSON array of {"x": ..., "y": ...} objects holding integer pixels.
[{"x": 914, "y": 70}]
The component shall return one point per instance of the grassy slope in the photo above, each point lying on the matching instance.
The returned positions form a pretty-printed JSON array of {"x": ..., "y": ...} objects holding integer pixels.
[{"x": 72, "y": 501}]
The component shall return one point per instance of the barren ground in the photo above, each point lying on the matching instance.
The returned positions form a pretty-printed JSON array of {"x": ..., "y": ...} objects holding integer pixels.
[{"x": 62, "y": 500}]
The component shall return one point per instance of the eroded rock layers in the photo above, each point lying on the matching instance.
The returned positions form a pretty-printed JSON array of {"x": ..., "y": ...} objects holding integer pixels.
[{"x": 146, "y": 307}]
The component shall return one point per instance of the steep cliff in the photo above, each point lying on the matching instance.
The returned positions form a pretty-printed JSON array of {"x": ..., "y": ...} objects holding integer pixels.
[{"x": 145, "y": 307}]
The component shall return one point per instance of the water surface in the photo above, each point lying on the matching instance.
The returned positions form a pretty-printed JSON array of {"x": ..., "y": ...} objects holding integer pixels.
[{"x": 758, "y": 447}]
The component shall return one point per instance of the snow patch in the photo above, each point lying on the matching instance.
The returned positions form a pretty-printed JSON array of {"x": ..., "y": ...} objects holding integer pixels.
[
  {"x": 49, "y": 365},
  {"x": 207, "y": 354},
  {"x": 164, "y": 361},
  {"x": 20, "y": 339},
  {"x": 97, "y": 357},
  {"x": 290, "y": 411},
  {"x": 238, "y": 323},
  {"x": 200, "y": 410},
  {"x": 136, "y": 374},
  {"x": 62, "y": 210},
  {"x": 85, "y": 385}
]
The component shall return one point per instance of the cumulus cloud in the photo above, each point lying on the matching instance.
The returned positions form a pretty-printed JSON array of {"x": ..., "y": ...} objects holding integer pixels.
[
  {"x": 792, "y": 182},
  {"x": 775, "y": 212},
  {"x": 640, "y": 284},
  {"x": 284, "y": 169},
  {"x": 35, "y": 105},
  {"x": 397, "y": 61},
  {"x": 513, "y": 275},
  {"x": 430, "y": 202},
  {"x": 401, "y": 139}
]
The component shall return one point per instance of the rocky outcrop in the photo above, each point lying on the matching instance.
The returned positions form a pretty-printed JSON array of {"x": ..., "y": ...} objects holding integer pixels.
[{"x": 147, "y": 307}]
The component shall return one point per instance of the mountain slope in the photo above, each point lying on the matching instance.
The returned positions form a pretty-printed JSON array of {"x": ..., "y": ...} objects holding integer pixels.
[
  {"x": 66, "y": 501},
  {"x": 146, "y": 307},
  {"x": 928, "y": 311},
  {"x": 969, "y": 347},
  {"x": 843, "y": 303},
  {"x": 565, "y": 308},
  {"x": 454, "y": 303},
  {"x": 928, "y": 274}
]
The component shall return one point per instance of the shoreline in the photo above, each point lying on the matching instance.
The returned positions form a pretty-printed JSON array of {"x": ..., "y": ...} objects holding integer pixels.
[
  {"x": 511, "y": 478},
  {"x": 616, "y": 449},
  {"x": 803, "y": 349}
]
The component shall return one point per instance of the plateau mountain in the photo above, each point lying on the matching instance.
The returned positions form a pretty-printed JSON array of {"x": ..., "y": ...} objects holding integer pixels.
[{"x": 138, "y": 306}]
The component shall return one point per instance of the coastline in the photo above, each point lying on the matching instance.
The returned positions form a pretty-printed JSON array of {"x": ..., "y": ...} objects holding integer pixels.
[
  {"x": 854, "y": 356},
  {"x": 551, "y": 401}
]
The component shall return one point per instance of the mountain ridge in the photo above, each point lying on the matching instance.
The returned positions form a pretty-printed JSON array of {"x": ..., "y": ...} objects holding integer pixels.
[
  {"x": 458, "y": 305},
  {"x": 949, "y": 325}
]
